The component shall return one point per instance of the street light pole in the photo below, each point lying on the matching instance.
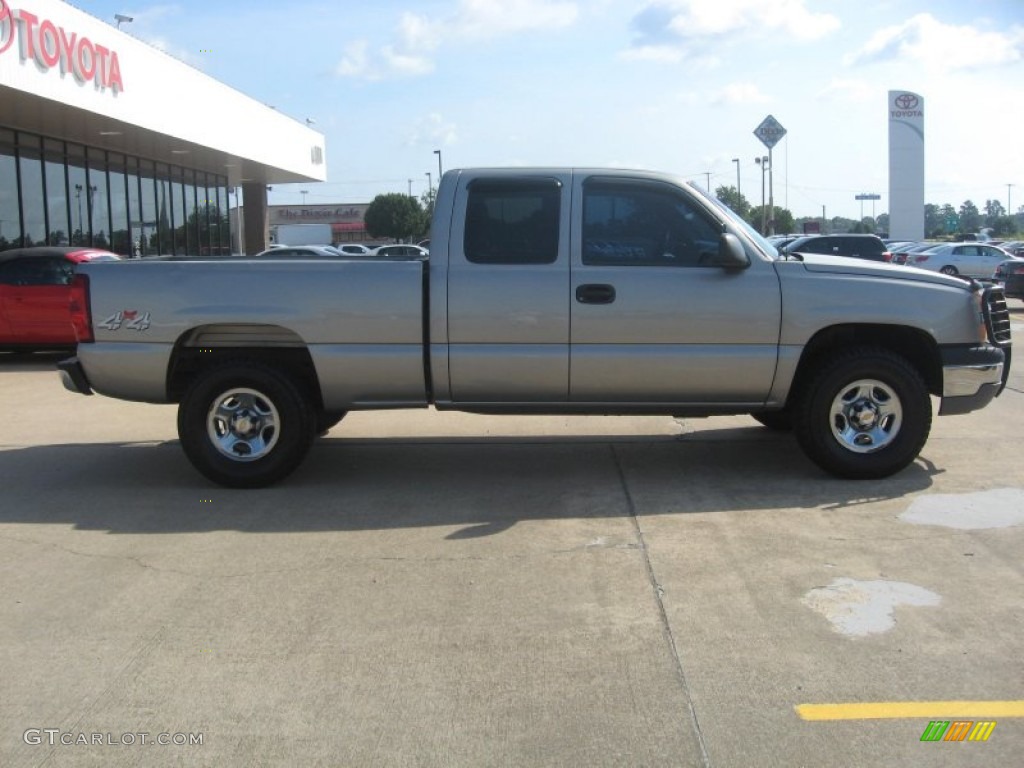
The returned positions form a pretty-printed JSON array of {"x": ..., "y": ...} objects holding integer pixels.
[
  {"x": 737, "y": 161},
  {"x": 1009, "y": 208},
  {"x": 440, "y": 172},
  {"x": 763, "y": 162},
  {"x": 303, "y": 192},
  {"x": 430, "y": 183}
]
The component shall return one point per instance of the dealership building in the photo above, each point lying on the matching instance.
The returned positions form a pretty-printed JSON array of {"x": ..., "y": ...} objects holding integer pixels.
[{"x": 108, "y": 142}]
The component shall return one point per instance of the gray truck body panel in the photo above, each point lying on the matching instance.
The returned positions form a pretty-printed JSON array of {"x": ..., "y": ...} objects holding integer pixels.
[{"x": 480, "y": 336}]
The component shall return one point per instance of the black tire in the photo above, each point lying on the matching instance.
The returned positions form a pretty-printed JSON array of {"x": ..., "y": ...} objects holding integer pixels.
[
  {"x": 888, "y": 396},
  {"x": 949, "y": 271},
  {"x": 779, "y": 421},
  {"x": 327, "y": 419},
  {"x": 268, "y": 434}
]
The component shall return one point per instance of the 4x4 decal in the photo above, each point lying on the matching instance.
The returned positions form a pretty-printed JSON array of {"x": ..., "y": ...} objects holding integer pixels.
[{"x": 129, "y": 318}]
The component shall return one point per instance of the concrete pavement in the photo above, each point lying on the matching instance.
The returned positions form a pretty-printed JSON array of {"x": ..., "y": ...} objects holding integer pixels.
[{"x": 438, "y": 589}]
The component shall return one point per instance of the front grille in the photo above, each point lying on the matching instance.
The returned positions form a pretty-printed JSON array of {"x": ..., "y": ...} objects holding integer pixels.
[{"x": 997, "y": 315}]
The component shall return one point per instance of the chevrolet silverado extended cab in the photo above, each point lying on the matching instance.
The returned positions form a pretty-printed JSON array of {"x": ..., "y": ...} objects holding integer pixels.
[{"x": 545, "y": 291}]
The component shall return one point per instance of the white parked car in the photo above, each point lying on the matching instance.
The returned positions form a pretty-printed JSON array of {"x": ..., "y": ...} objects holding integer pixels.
[
  {"x": 967, "y": 259},
  {"x": 353, "y": 249}
]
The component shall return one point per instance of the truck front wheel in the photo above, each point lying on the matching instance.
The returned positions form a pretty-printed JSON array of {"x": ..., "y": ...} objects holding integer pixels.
[
  {"x": 866, "y": 414},
  {"x": 245, "y": 425}
]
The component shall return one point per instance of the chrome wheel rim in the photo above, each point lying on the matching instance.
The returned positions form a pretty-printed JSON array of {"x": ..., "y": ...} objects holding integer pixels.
[
  {"x": 243, "y": 424},
  {"x": 866, "y": 416}
]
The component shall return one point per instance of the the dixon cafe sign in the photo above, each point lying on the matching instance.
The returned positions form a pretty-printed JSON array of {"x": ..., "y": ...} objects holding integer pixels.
[
  {"x": 326, "y": 213},
  {"x": 54, "y": 47}
]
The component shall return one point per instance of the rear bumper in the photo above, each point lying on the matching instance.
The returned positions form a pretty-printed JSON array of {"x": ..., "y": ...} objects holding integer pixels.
[
  {"x": 73, "y": 376},
  {"x": 972, "y": 377}
]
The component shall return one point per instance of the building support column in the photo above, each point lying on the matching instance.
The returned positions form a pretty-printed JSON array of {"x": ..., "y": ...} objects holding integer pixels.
[{"x": 256, "y": 216}]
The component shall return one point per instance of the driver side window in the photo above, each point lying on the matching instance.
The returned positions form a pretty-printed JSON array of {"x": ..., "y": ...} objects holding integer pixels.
[{"x": 642, "y": 224}]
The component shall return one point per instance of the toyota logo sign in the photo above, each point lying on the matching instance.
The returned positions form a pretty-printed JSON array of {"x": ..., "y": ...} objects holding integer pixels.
[{"x": 906, "y": 101}]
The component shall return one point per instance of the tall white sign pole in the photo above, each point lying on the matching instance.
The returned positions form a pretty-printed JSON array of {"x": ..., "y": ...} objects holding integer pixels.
[{"x": 906, "y": 166}]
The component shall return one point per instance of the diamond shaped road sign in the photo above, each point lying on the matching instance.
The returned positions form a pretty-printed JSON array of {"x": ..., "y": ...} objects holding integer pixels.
[{"x": 770, "y": 131}]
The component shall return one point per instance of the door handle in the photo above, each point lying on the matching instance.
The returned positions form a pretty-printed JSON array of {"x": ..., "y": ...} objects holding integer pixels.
[{"x": 595, "y": 293}]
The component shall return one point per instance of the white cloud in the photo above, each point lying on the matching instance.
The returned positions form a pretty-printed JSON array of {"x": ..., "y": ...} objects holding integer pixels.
[
  {"x": 432, "y": 130},
  {"x": 149, "y": 25},
  {"x": 355, "y": 62},
  {"x": 419, "y": 36},
  {"x": 496, "y": 18},
  {"x": 666, "y": 54},
  {"x": 847, "y": 90},
  {"x": 942, "y": 47},
  {"x": 681, "y": 24},
  {"x": 740, "y": 93}
]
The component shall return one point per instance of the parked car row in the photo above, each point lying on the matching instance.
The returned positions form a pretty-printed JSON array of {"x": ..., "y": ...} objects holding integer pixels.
[{"x": 985, "y": 261}]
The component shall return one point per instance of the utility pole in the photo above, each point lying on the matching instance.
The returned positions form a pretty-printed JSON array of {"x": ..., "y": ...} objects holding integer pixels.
[
  {"x": 410, "y": 187},
  {"x": 708, "y": 174},
  {"x": 1009, "y": 208}
]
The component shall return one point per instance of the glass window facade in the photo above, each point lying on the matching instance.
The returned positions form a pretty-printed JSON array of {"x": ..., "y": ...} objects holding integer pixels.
[{"x": 59, "y": 193}]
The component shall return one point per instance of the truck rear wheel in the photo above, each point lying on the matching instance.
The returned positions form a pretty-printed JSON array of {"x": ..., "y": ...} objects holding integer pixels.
[
  {"x": 327, "y": 419},
  {"x": 866, "y": 414},
  {"x": 245, "y": 425}
]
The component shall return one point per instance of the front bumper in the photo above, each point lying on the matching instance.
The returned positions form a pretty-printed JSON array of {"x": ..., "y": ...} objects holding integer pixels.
[
  {"x": 72, "y": 375},
  {"x": 972, "y": 376}
]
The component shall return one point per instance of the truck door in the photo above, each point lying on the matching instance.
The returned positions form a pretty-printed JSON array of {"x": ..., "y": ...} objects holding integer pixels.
[
  {"x": 651, "y": 322},
  {"x": 508, "y": 281}
]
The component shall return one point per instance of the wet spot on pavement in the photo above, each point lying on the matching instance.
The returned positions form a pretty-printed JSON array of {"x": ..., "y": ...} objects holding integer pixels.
[
  {"x": 860, "y": 608},
  {"x": 1000, "y": 508}
]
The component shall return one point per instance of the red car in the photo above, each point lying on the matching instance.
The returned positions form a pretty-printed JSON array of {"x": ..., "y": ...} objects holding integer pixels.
[{"x": 35, "y": 292}]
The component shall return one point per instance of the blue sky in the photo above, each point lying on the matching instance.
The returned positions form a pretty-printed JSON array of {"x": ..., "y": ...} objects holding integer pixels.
[{"x": 675, "y": 85}]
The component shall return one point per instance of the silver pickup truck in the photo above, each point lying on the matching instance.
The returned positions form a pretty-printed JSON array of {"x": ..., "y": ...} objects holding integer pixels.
[{"x": 546, "y": 291}]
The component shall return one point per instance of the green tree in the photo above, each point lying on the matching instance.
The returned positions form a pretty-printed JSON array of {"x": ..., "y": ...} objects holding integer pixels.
[
  {"x": 784, "y": 222},
  {"x": 396, "y": 216},
  {"x": 993, "y": 210},
  {"x": 970, "y": 218},
  {"x": 427, "y": 200},
  {"x": 933, "y": 221},
  {"x": 732, "y": 198}
]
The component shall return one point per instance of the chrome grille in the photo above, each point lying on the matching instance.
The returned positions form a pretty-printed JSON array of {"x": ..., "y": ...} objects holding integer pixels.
[{"x": 997, "y": 315}]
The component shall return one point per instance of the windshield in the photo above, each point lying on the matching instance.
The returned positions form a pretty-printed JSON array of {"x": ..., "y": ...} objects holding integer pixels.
[{"x": 737, "y": 220}]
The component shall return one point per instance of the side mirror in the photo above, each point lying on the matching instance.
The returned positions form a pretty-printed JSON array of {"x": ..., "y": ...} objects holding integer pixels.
[{"x": 731, "y": 254}]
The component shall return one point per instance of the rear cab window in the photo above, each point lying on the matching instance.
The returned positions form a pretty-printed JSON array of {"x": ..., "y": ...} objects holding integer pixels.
[{"x": 512, "y": 221}]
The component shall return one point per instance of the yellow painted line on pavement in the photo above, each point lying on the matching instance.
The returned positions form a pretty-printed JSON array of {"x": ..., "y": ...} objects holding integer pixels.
[{"x": 923, "y": 709}]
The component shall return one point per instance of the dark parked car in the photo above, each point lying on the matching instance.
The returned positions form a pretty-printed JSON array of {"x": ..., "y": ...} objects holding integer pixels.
[
  {"x": 855, "y": 246},
  {"x": 401, "y": 251},
  {"x": 35, "y": 295},
  {"x": 1014, "y": 247},
  {"x": 1011, "y": 274}
]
